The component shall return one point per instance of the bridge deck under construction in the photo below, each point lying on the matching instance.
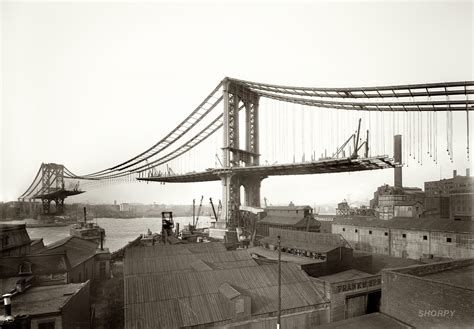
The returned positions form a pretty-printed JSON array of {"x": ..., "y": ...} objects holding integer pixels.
[
  {"x": 59, "y": 194},
  {"x": 304, "y": 168}
]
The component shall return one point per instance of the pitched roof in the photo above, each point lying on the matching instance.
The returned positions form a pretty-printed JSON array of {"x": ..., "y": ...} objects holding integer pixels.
[
  {"x": 45, "y": 299},
  {"x": 77, "y": 250},
  {"x": 135, "y": 264},
  {"x": 288, "y": 221},
  {"x": 193, "y": 298},
  {"x": 422, "y": 224},
  {"x": 160, "y": 250},
  {"x": 52, "y": 263}
]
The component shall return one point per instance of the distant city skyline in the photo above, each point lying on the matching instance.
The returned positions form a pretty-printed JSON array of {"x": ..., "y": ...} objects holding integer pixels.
[{"x": 89, "y": 85}]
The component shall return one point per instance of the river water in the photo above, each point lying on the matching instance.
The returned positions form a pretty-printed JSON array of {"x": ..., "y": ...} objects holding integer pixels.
[{"x": 118, "y": 231}]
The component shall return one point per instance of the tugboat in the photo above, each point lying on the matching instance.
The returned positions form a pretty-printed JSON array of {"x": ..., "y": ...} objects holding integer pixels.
[{"x": 87, "y": 230}]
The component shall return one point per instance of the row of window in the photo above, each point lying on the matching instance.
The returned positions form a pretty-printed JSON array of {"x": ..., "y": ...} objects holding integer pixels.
[{"x": 425, "y": 237}]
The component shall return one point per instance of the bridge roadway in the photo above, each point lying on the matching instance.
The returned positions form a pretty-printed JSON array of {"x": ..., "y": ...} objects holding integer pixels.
[
  {"x": 302, "y": 168},
  {"x": 58, "y": 194}
]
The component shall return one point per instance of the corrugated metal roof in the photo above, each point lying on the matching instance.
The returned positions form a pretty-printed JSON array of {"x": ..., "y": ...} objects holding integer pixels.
[
  {"x": 193, "y": 298},
  {"x": 228, "y": 291},
  {"x": 183, "y": 262},
  {"x": 161, "y": 250},
  {"x": 422, "y": 224}
]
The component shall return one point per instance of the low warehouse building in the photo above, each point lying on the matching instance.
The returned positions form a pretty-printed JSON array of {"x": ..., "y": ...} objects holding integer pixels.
[
  {"x": 409, "y": 238},
  {"x": 197, "y": 287}
]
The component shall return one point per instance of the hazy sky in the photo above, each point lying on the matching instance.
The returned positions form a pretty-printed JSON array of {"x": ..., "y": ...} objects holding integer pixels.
[{"x": 89, "y": 85}]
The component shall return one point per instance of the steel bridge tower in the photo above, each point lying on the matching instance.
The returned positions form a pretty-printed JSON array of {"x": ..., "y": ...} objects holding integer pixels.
[{"x": 237, "y": 97}]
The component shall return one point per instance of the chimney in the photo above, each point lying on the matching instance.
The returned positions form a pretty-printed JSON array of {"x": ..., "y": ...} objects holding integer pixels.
[
  {"x": 397, "y": 155},
  {"x": 468, "y": 172},
  {"x": 455, "y": 173},
  {"x": 101, "y": 240},
  {"x": 8, "y": 307}
]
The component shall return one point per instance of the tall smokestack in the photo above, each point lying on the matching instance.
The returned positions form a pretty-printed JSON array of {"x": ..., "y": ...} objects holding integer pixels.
[
  {"x": 397, "y": 155},
  {"x": 468, "y": 172},
  {"x": 455, "y": 173}
]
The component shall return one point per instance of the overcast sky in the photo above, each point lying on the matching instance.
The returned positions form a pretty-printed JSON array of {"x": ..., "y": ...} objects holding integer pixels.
[{"x": 89, "y": 85}]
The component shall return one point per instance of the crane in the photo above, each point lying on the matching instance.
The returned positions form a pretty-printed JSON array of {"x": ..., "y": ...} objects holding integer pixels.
[{"x": 199, "y": 210}]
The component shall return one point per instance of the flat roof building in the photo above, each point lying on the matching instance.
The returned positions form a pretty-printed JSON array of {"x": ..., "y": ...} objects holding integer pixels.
[{"x": 438, "y": 295}]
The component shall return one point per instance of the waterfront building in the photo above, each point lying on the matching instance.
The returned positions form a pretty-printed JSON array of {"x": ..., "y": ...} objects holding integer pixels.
[{"x": 408, "y": 237}]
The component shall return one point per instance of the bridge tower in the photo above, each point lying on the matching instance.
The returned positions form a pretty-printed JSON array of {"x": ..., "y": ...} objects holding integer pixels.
[
  {"x": 237, "y": 97},
  {"x": 52, "y": 179}
]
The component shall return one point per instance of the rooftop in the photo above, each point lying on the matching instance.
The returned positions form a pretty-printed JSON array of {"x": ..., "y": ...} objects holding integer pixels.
[
  {"x": 178, "y": 249},
  {"x": 51, "y": 263},
  {"x": 77, "y": 250},
  {"x": 46, "y": 299},
  {"x": 462, "y": 276},
  {"x": 285, "y": 257},
  {"x": 380, "y": 262},
  {"x": 367, "y": 321},
  {"x": 288, "y": 221},
  {"x": 187, "y": 262},
  {"x": 195, "y": 298},
  {"x": 458, "y": 273},
  {"x": 302, "y": 245},
  {"x": 345, "y": 276},
  {"x": 422, "y": 224}
]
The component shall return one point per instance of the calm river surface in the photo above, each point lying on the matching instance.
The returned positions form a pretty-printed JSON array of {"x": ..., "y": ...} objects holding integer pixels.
[{"x": 118, "y": 231}]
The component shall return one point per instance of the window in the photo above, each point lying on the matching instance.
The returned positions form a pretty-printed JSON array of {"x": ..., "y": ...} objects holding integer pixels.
[
  {"x": 448, "y": 240},
  {"x": 343, "y": 229},
  {"x": 404, "y": 236},
  {"x": 46, "y": 325},
  {"x": 370, "y": 232},
  {"x": 425, "y": 237},
  {"x": 386, "y": 234},
  {"x": 356, "y": 230}
]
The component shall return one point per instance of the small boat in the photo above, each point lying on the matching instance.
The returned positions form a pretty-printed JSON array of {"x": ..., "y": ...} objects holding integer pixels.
[{"x": 87, "y": 230}]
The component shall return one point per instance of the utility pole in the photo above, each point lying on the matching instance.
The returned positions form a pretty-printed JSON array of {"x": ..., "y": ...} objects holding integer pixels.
[{"x": 279, "y": 284}]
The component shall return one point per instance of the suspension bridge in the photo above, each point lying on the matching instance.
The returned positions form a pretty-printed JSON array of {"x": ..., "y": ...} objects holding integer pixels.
[{"x": 244, "y": 132}]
